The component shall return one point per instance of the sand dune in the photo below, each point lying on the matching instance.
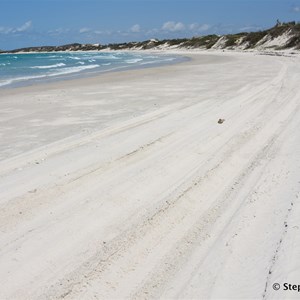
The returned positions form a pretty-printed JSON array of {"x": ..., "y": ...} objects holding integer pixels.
[{"x": 126, "y": 186}]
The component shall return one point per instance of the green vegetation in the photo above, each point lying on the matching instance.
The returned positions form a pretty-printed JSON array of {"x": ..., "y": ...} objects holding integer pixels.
[
  {"x": 234, "y": 39},
  {"x": 201, "y": 42},
  {"x": 254, "y": 37},
  {"x": 248, "y": 40}
]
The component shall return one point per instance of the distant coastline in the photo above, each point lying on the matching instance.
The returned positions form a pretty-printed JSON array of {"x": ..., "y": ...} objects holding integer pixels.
[{"x": 280, "y": 37}]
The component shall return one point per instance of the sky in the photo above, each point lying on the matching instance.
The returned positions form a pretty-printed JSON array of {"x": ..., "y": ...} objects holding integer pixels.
[{"x": 25, "y": 23}]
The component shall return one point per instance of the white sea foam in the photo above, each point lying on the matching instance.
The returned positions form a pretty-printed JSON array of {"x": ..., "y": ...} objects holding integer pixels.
[
  {"x": 60, "y": 72},
  {"x": 102, "y": 57},
  {"x": 24, "y": 78},
  {"x": 148, "y": 62},
  {"x": 6, "y": 82},
  {"x": 74, "y": 57},
  {"x": 60, "y": 65},
  {"x": 133, "y": 60},
  {"x": 49, "y": 67},
  {"x": 72, "y": 70},
  {"x": 158, "y": 61}
]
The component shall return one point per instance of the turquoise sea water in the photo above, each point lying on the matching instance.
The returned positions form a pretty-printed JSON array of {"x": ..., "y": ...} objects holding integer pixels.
[{"x": 30, "y": 68}]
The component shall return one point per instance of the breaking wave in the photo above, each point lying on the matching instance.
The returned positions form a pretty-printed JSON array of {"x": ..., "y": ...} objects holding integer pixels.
[
  {"x": 24, "y": 69},
  {"x": 49, "y": 67}
]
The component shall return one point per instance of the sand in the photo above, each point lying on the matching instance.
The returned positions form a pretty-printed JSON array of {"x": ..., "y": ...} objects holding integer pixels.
[{"x": 125, "y": 186}]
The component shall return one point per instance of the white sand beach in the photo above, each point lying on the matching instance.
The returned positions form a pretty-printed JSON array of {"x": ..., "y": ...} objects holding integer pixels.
[{"x": 124, "y": 185}]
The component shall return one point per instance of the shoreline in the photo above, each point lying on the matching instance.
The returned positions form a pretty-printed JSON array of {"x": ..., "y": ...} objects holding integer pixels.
[
  {"x": 125, "y": 185},
  {"x": 187, "y": 55},
  {"x": 45, "y": 79},
  {"x": 55, "y": 93},
  {"x": 184, "y": 54}
]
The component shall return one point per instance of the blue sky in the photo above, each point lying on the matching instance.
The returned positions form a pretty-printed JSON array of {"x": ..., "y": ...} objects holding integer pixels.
[{"x": 54, "y": 22}]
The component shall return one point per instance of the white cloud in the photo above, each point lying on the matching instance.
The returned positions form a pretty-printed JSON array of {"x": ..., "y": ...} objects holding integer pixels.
[
  {"x": 199, "y": 28},
  {"x": 5, "y": 30},
  {"x": 296, "y": 9},
  {"x": 135, "y": 28},
  {"x": 194, "y": 26},
  {"x": 84, "y": 30},
  {"x": 23, "y": 28},
  {"x": 103, "y": 32},
  {"x": 59, "y": 31},
  {"x": 173, "y": 26},
  {"x": 152, "y": 31},
  {"x": 204, "y": 27}
]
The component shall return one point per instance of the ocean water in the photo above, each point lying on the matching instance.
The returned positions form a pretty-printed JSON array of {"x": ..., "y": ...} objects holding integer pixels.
[{"x": 31, "y": 68}]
